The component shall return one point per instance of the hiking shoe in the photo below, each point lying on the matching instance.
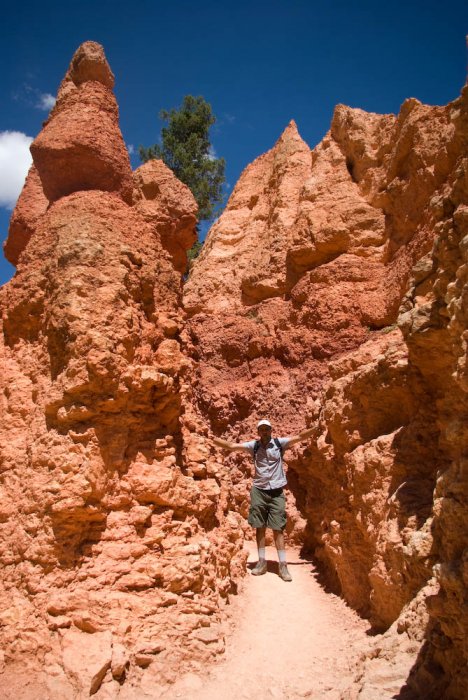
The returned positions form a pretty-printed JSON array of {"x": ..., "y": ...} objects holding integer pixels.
[
  {"x": 284, "y": 573},
  {"x": 259, "y": 568}
]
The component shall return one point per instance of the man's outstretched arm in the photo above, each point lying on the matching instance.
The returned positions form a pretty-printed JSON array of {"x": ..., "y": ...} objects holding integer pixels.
[
  {"x": 303, "y": 435},
  {"x": 231, "y": 446}
]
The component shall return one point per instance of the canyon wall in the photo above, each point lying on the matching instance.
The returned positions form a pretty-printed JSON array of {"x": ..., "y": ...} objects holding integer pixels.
[
  {"x": 117, "y": 550},
  {"x": 332, "y": 293}
]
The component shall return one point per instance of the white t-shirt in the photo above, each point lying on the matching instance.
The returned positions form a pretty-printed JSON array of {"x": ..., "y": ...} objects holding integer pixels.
[{"x": 269, "y": 470}]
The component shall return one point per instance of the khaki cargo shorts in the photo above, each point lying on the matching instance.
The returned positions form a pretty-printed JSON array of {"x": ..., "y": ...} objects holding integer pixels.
[{"x": 267, "y": 508}]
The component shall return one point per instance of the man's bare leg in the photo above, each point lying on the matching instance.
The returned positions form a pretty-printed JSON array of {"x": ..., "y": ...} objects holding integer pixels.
[
  {"x": 280, "y": 548},
  {"x": 260, "y": 535},
  {"x": 261, "y": 567},
  {"x": 279, "y": 541}
]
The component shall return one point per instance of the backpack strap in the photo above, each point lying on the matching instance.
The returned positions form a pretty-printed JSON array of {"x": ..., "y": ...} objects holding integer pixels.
[
  {"x": 255, "y": 450},
  {"x": 278, "y": 445}
]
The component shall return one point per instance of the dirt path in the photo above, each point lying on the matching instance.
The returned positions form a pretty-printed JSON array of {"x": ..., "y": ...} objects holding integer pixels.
[{"x": 288, "y": 641}]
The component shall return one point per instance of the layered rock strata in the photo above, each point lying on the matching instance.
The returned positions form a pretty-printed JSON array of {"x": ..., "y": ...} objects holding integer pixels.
[
  {"x": 331, "y": 292},
  {"x": 116, "y": 547}
]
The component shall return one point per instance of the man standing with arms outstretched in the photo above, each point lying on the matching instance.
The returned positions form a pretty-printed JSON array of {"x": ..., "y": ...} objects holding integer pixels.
[{"x": 267, "y": 500}]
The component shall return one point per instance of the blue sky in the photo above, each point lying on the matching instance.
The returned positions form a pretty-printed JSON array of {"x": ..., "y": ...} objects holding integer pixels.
[{"x": 259, "y": 63}]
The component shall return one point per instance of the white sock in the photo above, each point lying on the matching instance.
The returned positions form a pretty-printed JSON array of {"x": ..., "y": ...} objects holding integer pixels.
[
  {"x": 261, "y": 553},
  {"x": 282, "y": 556}
]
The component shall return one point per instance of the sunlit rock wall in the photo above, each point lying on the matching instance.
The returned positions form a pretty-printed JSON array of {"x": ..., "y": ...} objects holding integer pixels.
[
  {"x": 115, "y": 560},
  {"x": 330, "y": 293}
]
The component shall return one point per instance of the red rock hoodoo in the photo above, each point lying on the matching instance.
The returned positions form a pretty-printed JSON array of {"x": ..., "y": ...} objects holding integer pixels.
[
  {"x": 116, "y": 547},
  {"x": 331, "y": 293}
]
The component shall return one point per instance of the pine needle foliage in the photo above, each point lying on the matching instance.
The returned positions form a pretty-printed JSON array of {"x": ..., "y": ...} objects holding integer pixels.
[
  {"x": 186, "y": 149},
  {"x": 194, "y": 251}
]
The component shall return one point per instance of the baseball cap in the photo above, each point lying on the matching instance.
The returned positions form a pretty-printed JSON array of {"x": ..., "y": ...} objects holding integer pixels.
[{"x": 264, "y": 422}]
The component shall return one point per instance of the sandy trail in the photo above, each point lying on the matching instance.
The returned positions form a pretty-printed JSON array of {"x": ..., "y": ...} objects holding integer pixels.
[{"x": 287, "y": 641}]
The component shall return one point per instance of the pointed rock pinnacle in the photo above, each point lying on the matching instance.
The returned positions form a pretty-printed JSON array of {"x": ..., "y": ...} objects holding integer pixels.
[{"x": 81, "y": 146}]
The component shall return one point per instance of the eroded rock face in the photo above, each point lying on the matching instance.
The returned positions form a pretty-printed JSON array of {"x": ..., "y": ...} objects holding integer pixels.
[
  {"x": 169, "y": 206},
  {"x": 115, "y": 559},
  {"x": 31, "y": 205},
  {"x": 330, "y": 292},
  {"x": 81, "y": 147}
]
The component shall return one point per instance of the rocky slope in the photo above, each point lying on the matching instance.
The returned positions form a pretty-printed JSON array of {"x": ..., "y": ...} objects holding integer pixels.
[
  {"x": 332, "y": 291},
  {"x": 115, "y": 559}
]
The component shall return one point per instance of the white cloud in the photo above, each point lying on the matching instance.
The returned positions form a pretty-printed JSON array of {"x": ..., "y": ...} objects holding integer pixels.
[
  {"x": 45, "y": 101},
  {"x": 212, "y": 153},
  {"x": 130, "y": 149},
  {"x": 15, "y": 161},
  {"x": 32, "y": 97}
]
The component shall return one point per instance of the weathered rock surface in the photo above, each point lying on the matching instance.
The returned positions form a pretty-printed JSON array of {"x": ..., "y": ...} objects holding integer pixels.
[
  {"x": 332, "y": 292},
  {"x": 81, "y": 147},
  {"x": 115, "y": 559},
  {"x": 169, "y": 206},
  {"x": 31, "y": 205}
]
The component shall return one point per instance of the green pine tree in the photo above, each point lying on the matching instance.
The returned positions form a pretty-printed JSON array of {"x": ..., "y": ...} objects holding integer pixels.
[{"x": 186, "y": 149}]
